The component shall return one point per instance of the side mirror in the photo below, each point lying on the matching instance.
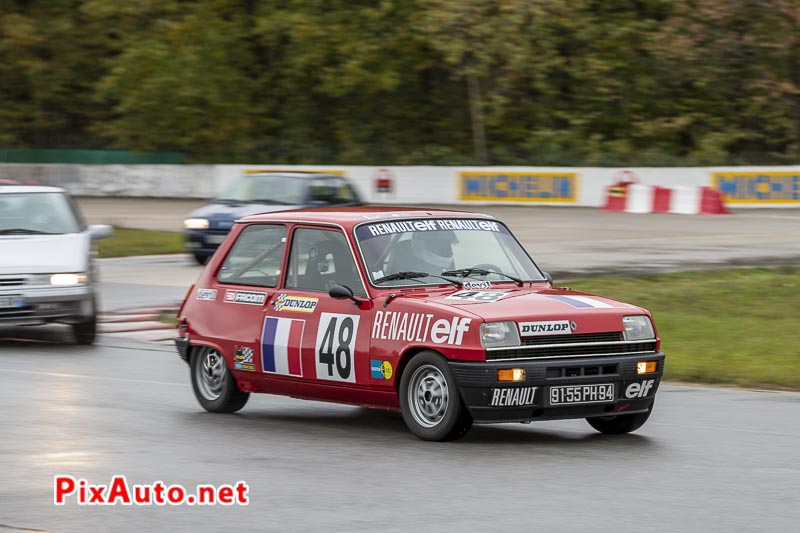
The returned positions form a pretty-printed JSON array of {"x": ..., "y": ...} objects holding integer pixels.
[
  {"x": 548, "y": 277},
  {"x": 100, "y": 231},
  {"x": 343, "y": 292}
]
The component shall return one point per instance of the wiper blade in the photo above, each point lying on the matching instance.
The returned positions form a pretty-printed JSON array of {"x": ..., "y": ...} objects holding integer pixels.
[
  {"x": 24, "y": 231},
  {"x": 467, "y": 272},
  {"x": 413, "y": 276},
  {"x": 402, "y": 275},
  {"x": 267, "y": 202}
]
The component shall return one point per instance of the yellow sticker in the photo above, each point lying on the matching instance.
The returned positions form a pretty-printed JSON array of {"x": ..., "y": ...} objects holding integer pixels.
[{"x": 386, "y": 370}]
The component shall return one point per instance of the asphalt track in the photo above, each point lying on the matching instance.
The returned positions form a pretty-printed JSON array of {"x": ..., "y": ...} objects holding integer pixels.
[
  {"x": 569, "y": 241},
  {"x": 708, "y": 460}
]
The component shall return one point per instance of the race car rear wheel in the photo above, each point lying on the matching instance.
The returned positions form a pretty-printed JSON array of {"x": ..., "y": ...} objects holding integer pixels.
[
  {"x": 201, "y": 259},
  {"x": 213, "y": 384},
  {"x": 615, "y": 425},
  {"x": 432, "y": 408}
]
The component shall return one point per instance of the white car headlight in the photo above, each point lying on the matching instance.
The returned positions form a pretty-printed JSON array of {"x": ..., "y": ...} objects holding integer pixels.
[
  {"x": 499, "y": 334},
  {"x": 637, "y": 328},
  {"x": 69, "y": 279},
  {"x": 196, "y": 223}
]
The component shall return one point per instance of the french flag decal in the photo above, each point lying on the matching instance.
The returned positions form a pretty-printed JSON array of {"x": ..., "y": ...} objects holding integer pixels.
[{"x": 280, "y": 346}]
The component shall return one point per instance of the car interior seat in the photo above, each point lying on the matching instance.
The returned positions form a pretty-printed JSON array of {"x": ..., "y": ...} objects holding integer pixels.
[{"x": 331, "y": 263}]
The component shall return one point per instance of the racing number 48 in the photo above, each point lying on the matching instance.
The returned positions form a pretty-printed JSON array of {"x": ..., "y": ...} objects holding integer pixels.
[
  {"x": 336, "y": 338},
  {"x": 341, "y": 354}
]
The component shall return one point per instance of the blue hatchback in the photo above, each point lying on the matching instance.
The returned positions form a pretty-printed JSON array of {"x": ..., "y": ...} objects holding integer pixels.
[{"x": 264, "y": 192}]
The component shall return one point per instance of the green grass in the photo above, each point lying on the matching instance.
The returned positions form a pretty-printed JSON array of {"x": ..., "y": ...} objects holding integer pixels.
[
  {"x": 736, "y": 327},
  {"x": 126, "y": 242},
  {"x": 723, "y": 326}
]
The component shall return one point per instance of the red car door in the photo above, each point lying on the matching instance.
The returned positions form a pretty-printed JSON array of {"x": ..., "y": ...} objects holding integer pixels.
[{"x": 306, "y": 334}]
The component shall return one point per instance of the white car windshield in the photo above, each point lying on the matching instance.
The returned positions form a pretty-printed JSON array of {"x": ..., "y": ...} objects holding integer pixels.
[
  {"x": 413, "y": 252},
  {"x": 32, "y": 213}
]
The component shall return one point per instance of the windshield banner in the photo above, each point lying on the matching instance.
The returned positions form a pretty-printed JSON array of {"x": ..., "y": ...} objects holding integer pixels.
[{"x": 368, "y": 231}]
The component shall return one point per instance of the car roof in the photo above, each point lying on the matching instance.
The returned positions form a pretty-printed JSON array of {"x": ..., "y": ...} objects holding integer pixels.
[
  {"x": 353, "y": 215},
  {"x": 11, "y": 189},
  {"x": 292, "y": 174}
]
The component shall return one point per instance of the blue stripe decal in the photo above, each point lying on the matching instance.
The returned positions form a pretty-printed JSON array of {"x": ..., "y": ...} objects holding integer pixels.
[
  {"x": 577, "y": 304},
  {"x": 268, "y": 344}
]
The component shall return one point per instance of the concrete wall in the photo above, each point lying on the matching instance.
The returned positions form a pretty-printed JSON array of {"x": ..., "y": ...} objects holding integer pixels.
[{"x": 565, "y": 186}]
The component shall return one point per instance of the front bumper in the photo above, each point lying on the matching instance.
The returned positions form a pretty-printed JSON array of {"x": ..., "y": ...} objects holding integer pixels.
[
  {"x": 204, "y": 242},
  {"x": 536, "y": 398},
  {"x": 40, "y": 305}
]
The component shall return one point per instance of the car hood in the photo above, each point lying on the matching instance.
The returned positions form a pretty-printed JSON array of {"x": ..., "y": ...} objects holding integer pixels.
[
  {"x": 223, "y": 215},
  {"x": 44, "y": 254},
  {"x": 591, "y": 313}
]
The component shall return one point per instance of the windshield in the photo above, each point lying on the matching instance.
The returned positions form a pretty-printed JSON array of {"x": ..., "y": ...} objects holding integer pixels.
[
  {"x": 269, "y": 189},
  {"x": 33, "y": 213},
  {"x": 437, "y": 246}
]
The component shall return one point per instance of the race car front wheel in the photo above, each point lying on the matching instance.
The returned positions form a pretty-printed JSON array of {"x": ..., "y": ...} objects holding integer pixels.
[
  {"x": 615, "y": 425},
  {"x": 213, "y": 384},
  {"x": 429, "y": 399}
]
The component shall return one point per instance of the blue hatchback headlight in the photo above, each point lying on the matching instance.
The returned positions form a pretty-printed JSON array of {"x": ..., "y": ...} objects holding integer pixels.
[{"x": 196, "y": 223}]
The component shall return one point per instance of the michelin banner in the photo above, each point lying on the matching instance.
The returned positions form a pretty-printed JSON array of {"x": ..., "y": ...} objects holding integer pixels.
[
  {"x": 758, "y": 187},
  {"x": 494, "y": 186}
]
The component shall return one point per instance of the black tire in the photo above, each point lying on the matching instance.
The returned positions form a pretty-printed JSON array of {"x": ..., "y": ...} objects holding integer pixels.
[
  {"x": 616, "y": 425},
  {"x": 442, "y": 420},
  {"x": 200, "y": 258},
  {"x": 85, "y": 332},
  {"x": 214, "y": 386}
]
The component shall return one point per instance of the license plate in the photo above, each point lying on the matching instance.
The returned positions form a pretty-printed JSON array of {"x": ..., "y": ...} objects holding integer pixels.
[
  {"x": 571, "y": 394},
  {"x": 12, "y": 301},
  {"x": 215, "y": 239}
]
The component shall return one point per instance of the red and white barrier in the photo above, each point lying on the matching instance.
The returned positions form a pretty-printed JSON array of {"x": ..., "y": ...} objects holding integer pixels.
[{"x": 637, "y": 198}]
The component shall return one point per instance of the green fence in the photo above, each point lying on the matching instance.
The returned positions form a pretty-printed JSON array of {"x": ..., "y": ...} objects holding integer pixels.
[{"x": 90, "y": 157}]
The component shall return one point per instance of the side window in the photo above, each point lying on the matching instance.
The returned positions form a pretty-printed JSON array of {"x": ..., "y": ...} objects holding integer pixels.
[
  {"x": 256, "y": 256},
  {"x": 332, "y": 191},
  {"x": 320, "y": 259}
]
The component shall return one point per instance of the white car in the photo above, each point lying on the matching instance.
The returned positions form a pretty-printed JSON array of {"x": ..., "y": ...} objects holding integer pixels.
[{"x": 46, "y": 268}]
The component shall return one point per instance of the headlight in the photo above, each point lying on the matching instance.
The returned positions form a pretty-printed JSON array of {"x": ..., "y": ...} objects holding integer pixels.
[
  {"x": 196, "y": 223},
  {"x": 499, "y": 334},
  {"x": 69, "y": 279},
  {"x": 638, "y": 328}
]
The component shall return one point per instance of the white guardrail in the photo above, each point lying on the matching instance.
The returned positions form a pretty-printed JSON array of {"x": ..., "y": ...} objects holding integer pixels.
[{"x": 562, "y": 186}]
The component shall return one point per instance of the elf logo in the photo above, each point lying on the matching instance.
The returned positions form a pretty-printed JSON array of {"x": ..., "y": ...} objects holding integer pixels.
[{"x": 639, "y": 390}]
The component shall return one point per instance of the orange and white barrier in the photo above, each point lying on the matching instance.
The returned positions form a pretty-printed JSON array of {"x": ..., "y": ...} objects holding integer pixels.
[{"x": 629, "y": 197}]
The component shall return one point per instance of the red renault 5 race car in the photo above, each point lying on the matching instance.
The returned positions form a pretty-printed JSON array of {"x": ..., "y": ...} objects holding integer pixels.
[{"x": 439, "y": 314}]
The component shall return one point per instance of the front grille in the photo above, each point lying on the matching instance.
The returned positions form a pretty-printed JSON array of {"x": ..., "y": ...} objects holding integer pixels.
[
  {"x": 612, "y": 336},
  {"x": 592, "y": 344},
  {"x": 12, "y": 282},
  {"x": 16, "y": 312},
  {"x": 581, "y": 371}
]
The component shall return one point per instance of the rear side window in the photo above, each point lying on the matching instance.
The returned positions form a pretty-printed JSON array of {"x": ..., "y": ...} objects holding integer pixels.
[{"x": 256, "y": 256}]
